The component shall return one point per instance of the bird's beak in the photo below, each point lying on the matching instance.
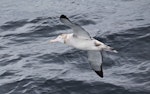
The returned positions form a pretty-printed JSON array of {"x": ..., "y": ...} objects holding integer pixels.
[{"x": 53, "y": 40}]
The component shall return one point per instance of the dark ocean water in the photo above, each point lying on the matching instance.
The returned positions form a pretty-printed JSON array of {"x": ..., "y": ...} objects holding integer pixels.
[{"x": 30, "y": 65}]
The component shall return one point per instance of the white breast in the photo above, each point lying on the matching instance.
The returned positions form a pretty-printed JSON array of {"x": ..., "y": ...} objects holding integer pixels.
[{"x": 82, "y": 44}]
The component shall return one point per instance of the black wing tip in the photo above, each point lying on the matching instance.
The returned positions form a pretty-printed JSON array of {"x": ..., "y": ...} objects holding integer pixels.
[
  {"x": 100, "y": 73},
  {"x": 63, "y": 16}
]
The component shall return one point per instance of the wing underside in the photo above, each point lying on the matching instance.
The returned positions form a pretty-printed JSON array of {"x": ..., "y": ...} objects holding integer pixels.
[{"x": 95, "y": 60}]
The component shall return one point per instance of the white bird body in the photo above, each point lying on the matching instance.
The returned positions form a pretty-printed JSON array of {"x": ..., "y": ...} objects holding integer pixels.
[
  {"x": 81, "y": 39},
  {"x": 84, "y": 44}
]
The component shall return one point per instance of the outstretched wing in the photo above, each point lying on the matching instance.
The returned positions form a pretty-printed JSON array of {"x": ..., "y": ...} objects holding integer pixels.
[
  {"x": 95, "y": 60},
  {"x": 77, "y": 30}
]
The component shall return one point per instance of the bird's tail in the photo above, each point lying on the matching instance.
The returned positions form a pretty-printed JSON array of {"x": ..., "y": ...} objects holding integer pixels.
[{"x": 110, "y": 49}]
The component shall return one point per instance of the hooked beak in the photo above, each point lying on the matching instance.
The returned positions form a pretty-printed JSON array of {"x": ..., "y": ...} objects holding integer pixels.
[{"x": 53, "y": 40}]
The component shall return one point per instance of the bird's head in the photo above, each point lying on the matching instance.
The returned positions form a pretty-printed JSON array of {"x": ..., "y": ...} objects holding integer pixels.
[{"x": 61, "y": 38}]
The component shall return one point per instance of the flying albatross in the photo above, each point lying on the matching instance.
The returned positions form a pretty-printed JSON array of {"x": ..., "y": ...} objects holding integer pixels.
[{"x": 82, "y": 40}]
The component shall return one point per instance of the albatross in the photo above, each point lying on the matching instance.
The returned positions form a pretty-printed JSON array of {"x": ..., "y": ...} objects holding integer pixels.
[{"x": 81, "y": 39}]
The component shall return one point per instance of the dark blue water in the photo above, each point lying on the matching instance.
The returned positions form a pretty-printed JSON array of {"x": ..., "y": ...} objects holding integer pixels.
[{"x": 30, "y": 65}]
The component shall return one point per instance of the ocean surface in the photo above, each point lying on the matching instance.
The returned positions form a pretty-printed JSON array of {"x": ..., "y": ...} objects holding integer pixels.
[{"x": 29, "y": 64}]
